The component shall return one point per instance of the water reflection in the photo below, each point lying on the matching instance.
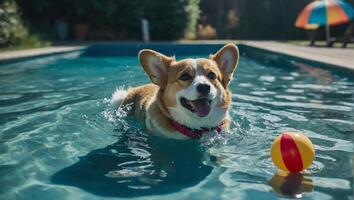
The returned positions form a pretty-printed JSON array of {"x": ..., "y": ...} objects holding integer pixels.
[
  {"x": 323, "y": 76},
  {"x": 291, "y": 184}
]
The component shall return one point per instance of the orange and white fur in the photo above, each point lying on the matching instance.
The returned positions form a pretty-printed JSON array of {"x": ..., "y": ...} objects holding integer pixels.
[{"x": 193, "y": 92}]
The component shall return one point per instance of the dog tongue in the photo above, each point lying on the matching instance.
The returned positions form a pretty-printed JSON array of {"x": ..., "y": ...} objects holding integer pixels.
[{"x": 201, "y": 107}]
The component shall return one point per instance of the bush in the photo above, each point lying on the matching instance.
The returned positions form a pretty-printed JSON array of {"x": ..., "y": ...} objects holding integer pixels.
[
  {"x": 169, "y": 19},
  {"x": 206, "y": 32},
  {"x": 12, "y": 30}
]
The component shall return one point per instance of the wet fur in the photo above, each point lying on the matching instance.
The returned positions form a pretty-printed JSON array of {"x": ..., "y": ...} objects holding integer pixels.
[{"x": 155, "y": 104}]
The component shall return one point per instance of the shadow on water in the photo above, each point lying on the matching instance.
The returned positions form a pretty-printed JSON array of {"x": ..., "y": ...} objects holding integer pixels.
[{"x": 137, "y": 165}]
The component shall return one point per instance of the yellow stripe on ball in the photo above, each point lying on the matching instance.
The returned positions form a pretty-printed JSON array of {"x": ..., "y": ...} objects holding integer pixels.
[{"x": 305, "y": 146}]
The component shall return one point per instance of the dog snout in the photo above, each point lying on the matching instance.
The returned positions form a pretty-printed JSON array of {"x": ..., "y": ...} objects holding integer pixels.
[{"x": 203, "y": 89}]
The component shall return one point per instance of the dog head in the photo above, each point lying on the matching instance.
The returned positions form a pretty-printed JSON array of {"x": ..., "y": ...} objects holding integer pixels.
[{"x": 194, "y": 91}]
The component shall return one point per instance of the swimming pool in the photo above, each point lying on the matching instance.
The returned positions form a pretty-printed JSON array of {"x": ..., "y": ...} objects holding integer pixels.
[{"x": 60, "y": 139}]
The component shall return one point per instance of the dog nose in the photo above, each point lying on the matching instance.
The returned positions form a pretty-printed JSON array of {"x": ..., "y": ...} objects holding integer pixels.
[{"x": 203, "y": 89}]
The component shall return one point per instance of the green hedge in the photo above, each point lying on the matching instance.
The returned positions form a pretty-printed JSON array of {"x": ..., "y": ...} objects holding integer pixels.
[{"x": 169, "y": 19}]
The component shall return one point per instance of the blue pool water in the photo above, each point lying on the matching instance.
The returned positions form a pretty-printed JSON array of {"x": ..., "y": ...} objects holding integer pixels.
[{"x": 60, "y": 139}]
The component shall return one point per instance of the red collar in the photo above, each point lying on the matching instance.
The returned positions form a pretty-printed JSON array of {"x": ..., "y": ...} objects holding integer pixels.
[{"x": 194, "y": 133}]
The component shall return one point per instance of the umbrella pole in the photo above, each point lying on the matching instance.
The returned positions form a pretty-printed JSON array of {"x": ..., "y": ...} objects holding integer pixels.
[{"x": 328, "y": 36}]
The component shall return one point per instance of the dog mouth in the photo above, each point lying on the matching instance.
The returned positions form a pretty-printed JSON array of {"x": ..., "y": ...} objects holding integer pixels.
[{"x": 200, "y": 106}]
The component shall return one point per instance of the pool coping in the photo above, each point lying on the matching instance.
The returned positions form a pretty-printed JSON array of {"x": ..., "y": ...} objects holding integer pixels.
[
  {"x": 20, "y": 55},
  {"x": 289, "y": 50},
  {"x": 306, "y": 53}
]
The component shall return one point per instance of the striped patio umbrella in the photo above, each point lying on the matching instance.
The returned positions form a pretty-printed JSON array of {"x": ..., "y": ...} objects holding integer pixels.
[{"x": 324, "y": 12}]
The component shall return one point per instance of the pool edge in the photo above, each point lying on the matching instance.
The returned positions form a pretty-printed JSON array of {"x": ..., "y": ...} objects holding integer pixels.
[{"x": 21, "y": 55}]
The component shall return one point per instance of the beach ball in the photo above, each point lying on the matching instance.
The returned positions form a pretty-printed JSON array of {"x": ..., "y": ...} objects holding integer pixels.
[{"x": 292, "y": 152}]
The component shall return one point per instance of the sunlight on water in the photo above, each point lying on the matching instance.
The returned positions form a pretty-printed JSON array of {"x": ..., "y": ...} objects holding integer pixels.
[{"x": 60, "y": 137}]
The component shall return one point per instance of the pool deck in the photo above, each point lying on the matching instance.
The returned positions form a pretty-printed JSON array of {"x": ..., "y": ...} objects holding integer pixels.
[{"x": 342, "y": 58}]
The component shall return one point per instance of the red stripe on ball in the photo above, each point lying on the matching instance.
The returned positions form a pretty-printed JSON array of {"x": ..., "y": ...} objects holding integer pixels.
[{"x": 290, "y": 153}]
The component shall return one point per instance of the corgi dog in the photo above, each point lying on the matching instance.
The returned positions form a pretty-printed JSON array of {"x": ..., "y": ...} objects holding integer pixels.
[{"x": 186, "y": 98}]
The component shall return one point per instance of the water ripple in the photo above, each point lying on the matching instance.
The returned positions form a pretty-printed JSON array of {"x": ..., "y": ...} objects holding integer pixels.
[{"x": 60, "y": 135}]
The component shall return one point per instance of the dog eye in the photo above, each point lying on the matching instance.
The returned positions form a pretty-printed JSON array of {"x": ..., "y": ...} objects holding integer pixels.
[
  {"x": 185, "y": 77},
  {"x": 211, "y": 75}
]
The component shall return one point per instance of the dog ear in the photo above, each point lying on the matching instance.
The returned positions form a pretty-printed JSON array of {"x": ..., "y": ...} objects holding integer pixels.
[
  {"x": 227, "y": 59},
  {"x": 155, "y": 65}
]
